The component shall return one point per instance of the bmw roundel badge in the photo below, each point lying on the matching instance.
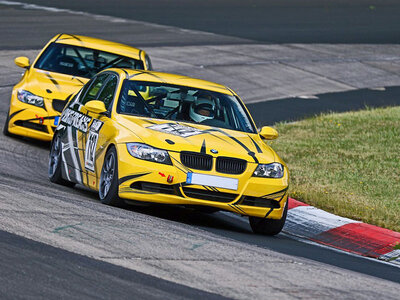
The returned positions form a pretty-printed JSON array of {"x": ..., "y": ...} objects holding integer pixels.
[{"x": 214, "y": 151}]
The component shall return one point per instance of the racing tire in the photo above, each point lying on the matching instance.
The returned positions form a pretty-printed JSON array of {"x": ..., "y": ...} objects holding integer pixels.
[
  {"x": 55, "y": 163},
  {"x": 108, "y": 187},
  {"x": 268, "y": 226}
]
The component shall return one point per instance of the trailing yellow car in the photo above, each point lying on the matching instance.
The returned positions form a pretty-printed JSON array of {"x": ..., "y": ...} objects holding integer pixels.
[
  {"x": 156, "y": 137},
  {"x": 65, "y": 64}
]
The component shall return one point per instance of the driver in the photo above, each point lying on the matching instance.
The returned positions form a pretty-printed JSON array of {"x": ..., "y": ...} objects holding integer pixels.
[{"x": 202, "y": 109}]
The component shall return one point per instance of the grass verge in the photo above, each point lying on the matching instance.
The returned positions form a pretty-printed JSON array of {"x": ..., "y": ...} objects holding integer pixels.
[{"x": 347, "y": 163}]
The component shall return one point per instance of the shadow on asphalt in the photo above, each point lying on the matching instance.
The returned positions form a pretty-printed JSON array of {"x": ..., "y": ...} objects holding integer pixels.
[{"x": 293, "y": 109}]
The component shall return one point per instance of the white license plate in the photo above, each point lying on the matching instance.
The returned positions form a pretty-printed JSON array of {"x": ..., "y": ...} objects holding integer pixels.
[{"x": 212, "y": 180}]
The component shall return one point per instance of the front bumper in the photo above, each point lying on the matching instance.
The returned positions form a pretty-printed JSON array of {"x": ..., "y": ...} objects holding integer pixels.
[
  {"x": 141, "y": 180},
  {"x": 32, "y": 121}
]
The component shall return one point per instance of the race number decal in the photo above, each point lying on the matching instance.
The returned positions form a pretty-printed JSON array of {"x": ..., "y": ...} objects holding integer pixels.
[
  {"x": 90, "y": 153},
  {"x": 93, "y": 137}
]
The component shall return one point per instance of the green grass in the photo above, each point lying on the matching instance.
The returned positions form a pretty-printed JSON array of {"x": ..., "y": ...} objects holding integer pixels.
[{"x": 347, "y": 163}]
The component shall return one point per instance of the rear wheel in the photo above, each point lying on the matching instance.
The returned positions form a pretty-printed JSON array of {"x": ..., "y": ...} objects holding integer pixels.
[
  {"x": 268, "y": 226},
  {"x": 55, "y": 163},
  {"x": 108, "y": 189}
]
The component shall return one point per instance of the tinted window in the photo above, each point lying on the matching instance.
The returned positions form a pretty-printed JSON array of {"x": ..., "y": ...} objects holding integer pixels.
[
  {"x": 107, "y": 94},
  {"x": 181, "y": 103},
  {"x": 80, "y": 61},
  {"x": 94, "y": 88}
]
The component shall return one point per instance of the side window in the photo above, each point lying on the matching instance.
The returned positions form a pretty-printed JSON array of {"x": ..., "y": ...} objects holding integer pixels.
[
  {"x": 94, "y": 88},
  {"x": 107, "y": 94},
  {"x": 83, "y": 90}
]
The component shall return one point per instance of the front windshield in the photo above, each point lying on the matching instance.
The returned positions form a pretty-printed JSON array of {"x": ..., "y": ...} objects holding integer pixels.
[
  {"x": 182, "y": 103},
  {"x": 82, "y": 62}
]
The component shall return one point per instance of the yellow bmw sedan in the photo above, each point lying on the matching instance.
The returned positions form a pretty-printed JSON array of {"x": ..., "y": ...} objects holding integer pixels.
[
  {"x": 63, "y": 66},
  {"x": 155, "y": 137}
]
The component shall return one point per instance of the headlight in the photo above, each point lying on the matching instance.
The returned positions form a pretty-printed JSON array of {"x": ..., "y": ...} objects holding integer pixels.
[
  {"x": 146, "y": 152},
  {"x": 27, "y": 97},
  {"x": 274, "y": 170}
]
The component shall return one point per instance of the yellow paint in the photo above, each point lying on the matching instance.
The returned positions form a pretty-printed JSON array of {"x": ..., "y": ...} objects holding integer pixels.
[
  {"x": 61, "y": 86},
  {"x": 119, "y": 129}
]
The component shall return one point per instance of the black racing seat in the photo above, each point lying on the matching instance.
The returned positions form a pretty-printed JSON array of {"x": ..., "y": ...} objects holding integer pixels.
[{"x": 66, "y": 64}]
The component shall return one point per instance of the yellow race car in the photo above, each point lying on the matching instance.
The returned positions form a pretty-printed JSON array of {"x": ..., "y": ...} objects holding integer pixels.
[
  {"x": 156, "y": 137},
  {"x": 65, "y": 64}
]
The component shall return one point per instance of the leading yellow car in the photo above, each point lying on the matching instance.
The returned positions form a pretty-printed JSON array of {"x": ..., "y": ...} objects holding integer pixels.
[
  {"x": 61, "y": 68},
  {"x": 156, "y": 137}
]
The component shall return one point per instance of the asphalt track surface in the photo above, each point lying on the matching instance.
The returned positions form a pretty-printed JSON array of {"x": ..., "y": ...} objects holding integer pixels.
[
  {"x": 284, "y": 21},
  {"x": 79, "y": 266}
]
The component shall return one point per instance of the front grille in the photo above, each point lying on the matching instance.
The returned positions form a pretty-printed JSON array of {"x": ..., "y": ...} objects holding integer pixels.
[
  {"x": 209, "y": 195},
  {"x": 58, "y": 105},
  {"x": 154, "y": 187},
  {"x": 31, "y": 125},
  {"x": 229, "y": 165},
  {"x": 198, "y": 161},
  {"x": 260, "y": 202}
]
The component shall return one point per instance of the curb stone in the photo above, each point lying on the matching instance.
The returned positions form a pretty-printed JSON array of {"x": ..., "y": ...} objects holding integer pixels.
[{"x": 319, "y": 226}]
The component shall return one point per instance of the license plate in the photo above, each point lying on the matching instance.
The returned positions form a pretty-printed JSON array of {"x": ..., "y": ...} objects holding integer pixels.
[{"x": 212, "y": 180}]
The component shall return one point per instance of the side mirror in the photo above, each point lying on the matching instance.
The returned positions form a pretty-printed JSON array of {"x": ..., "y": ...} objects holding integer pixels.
[
  {"x": 96, "y": 106},
  {"x": 22, "y": 62},
  {"x": 268, "y": 133}
]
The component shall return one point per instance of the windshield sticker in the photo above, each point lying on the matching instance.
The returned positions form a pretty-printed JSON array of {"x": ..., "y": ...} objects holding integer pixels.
[
  {"x": 176, "y": 129},
  {"x": 75, "y": 119}
]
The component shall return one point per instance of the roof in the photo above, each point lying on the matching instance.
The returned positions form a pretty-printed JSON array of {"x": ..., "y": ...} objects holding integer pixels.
[
  {"x": 94, "y": 43},
  {"x": 151, "y": 76}
]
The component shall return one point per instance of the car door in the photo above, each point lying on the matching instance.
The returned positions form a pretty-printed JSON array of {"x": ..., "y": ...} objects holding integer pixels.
[
  {"x": 75, "y": 123},
  {"x": 100, "y": 132}
]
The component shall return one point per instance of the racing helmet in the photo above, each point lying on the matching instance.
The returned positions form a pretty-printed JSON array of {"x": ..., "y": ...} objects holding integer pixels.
[{"x": 202, "y": 109}]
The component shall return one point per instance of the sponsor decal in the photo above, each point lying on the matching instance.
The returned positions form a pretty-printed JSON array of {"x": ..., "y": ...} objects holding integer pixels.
[
  {"x": 56, "y": 120},
  {"x": 176, "y": 129},
  {"x": 75, "y": 119},
  {"x": 96, "y": 125}
]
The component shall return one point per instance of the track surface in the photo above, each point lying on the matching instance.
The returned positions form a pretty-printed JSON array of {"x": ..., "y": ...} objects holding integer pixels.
[
  {"x": 284, "y": 21},
  {"x": 214, "y": 253}
]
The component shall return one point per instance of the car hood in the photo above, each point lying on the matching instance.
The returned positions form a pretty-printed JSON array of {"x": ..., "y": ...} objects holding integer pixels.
[
  {"x": 52, "y": 85},
  {"x": 182, "y": 136}
]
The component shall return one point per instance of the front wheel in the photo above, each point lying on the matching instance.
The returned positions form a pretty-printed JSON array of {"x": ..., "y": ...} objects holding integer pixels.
[
  {"x": 55, "y": 163},
  {"x": 268, "y": 226},
  {"x": 108, "y": 189}
]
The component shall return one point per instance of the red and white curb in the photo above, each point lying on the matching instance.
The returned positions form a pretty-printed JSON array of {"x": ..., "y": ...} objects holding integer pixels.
[{"x": 341, "y": 233}]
